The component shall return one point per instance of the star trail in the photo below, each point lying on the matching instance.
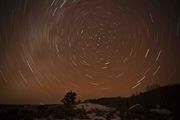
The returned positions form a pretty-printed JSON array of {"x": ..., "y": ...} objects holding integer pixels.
[{"x": 97, "y": 48}]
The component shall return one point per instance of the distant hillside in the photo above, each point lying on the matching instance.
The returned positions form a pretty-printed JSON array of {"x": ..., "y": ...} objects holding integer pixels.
[{"x": 166, "y": 97}]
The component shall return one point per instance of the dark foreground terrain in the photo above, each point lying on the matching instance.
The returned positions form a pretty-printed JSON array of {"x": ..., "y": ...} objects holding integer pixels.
[{"x": 162, "y": 103}]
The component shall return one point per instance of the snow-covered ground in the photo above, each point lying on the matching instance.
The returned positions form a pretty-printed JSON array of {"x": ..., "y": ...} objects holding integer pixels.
[
  {"x": 90, "y": 106},
  {"x": 91, "y": 111},
  {"x": 100, "y": 112}
]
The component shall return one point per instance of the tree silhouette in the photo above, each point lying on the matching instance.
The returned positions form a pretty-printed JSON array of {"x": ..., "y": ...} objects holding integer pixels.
[
  {"x": 152, "y": 87},
  {"x": 70, "y": 98}
]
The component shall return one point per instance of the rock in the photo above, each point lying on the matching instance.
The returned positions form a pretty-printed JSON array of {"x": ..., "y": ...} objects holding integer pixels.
[
  {"x": 161, "y": 111},
  {"x": 137, "y": 108}
]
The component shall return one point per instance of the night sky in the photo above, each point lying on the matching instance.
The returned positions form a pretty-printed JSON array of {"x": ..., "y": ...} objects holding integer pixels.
[{"x": 97, "y": 48}]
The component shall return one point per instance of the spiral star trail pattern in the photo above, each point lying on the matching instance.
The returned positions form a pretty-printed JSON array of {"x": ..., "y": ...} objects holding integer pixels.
[{"x": 98, "y": 48}]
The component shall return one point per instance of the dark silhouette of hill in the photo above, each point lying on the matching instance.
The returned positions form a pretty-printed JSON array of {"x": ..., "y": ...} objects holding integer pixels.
[{"x": 166, "y": 97}]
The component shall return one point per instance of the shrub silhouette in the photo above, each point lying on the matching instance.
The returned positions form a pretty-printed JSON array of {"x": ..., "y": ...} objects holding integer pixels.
[{"x": 70, "y": 98}]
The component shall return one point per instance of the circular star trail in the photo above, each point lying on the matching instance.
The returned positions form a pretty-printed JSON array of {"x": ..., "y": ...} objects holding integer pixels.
[{"x": 97, "y": 48}]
